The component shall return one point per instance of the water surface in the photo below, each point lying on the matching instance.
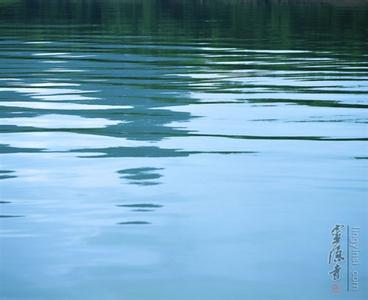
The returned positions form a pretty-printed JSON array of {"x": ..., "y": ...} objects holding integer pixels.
[{"x": 180, "y": 149}]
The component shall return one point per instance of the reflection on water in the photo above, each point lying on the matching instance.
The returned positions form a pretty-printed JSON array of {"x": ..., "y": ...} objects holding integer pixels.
[
  {"x": 6, "y": 174},
  {"x": 235, "y": 131},
  {"x": 143, "y": 205},
  {"x": 142, "y": 176},
  {"x": 134, "y": 223}
]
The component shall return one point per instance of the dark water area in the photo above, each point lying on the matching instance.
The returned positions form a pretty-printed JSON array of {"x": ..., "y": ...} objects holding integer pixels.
[{"x": 182, "y": 149}]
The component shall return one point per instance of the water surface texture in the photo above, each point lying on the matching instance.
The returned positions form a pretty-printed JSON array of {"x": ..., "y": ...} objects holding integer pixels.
[{"x": 182, "y": 150}]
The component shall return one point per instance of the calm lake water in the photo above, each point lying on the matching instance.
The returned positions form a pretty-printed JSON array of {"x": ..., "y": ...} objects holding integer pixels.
[{"x": 182, "y": 150}]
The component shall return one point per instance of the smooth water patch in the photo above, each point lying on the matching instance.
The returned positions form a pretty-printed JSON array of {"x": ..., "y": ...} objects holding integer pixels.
[
  {"x": 198, "y": 149},
  {"x": 58, "y": 121}
]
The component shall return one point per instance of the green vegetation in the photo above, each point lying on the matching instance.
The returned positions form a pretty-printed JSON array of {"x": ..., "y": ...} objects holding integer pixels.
[
  {"x": 8, "y": 2},
  {"x": 253, "y": 21}
]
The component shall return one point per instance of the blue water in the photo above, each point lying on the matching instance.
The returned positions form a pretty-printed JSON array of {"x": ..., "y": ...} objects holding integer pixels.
[{"x": 173, "y": 150}]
